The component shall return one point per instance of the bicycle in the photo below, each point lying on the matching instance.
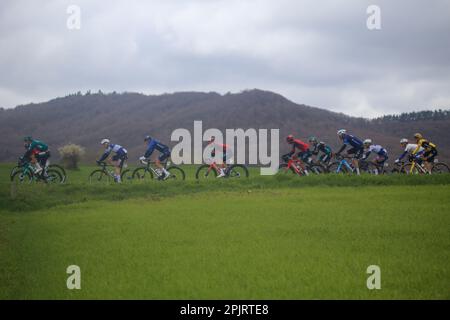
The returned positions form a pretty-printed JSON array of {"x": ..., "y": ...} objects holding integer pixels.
[
  {"x": 56, "y": 167},
  {"x": 26, "y": 174},
  {"x": 212, "y": 170},
  {"x": 415, "y": 167},
  {"x": 296, "y": 166},
  {"x": 400, "y": 167},
  {"x": 341, "y": 166},
  {"x": 103, "y": 175},
  {"x": 148, "y": 172},
  {"x": 370, "y": 167}
]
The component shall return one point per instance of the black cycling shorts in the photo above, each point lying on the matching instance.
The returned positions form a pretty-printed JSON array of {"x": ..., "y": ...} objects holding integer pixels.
[
  {"x": 164, "y": 155},
  {"x": 430, "y": 155},
  {"x": 356, "y": 152},
  {"x": 121, "y": 158}
]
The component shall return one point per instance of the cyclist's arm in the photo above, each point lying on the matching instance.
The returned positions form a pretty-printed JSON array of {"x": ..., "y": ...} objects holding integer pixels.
[
  {"x": 402, "y": 155},
  {"x": 342, "y": 148},
  {"x": 105, "y": 155}
]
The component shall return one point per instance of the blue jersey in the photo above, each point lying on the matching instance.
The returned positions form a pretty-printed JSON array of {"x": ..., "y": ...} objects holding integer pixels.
[
  {"x": 155, "y": 144},
  {"x": 353, "y": 141}
]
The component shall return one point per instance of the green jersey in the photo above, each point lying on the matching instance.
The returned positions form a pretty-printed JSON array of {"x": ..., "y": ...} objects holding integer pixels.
[{"x": 37, "y": 146}]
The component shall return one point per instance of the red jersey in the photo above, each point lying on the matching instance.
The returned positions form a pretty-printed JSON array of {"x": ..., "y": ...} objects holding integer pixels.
[{"x": 300, "y": 145}]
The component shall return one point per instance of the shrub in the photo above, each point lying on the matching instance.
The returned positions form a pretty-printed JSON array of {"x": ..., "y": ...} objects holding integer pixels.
[{"x": 71, "y": 155}]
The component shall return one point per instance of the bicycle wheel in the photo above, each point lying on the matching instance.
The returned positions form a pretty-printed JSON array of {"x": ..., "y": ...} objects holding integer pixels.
[
  {"x": 333, "y": 168},
  {"x": 205, "y": 171},
  {"x": 317, "y": 169},
  {"x": 126, "y": 176},
  {"x": 142, "y": 174},
  {"x": 21, "y": 177},
  {"x": 99, "y": 176},
  {"x": 237, "y": 171},
  {"x": 54, "y": 176},
  {"x": 61, "y": 171},
  {"x": 439, "y": 168},
  {"x": 13, "y": 171},
  {"x": 176, "y": 173}
]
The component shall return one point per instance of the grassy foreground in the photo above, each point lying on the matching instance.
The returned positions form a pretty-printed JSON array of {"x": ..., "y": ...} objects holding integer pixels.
[{"x": 265, "y": 238}]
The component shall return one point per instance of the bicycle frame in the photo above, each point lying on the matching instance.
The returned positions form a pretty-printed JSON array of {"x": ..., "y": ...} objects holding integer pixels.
[
  {"x": 414, "y": 164},
  {"x": 149, "y": 167},
  {"x": 344, "y": 162},
  {"x": 293, "y": 162}
]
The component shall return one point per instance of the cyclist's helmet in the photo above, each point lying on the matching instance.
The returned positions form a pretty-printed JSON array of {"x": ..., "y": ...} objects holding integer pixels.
[
  {"x": 404, "y": 141},
  {"x": 104, "y": 141},
  {"x": 290, "y": 138},
  {"x": 341, "y": 132},
  {"x": 322, "y": 144},
  {"x": 418, "y": 136},
  {"x": 147, "y": 138},
  {"x": 312, "y": 139},
  {"x": 28, "y": 139},
  {"x": 367, "y": 142}
]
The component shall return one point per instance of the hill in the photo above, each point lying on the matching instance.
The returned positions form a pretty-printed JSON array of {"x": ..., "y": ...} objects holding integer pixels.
[{"x": 127, "y": 117}]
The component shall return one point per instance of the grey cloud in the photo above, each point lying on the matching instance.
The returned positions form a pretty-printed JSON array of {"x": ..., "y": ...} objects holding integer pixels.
[{"x": 314, "y": 52}]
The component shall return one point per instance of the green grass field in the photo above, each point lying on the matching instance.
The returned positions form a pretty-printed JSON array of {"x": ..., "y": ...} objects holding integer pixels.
[{"x": 263, "y": 238}]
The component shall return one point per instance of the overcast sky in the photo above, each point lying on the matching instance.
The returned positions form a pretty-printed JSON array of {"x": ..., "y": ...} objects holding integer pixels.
[{"x": 317, "y": 52}]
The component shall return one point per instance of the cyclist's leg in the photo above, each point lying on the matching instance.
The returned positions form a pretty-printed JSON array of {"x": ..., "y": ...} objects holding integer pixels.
[
  {"x": 162, "y": 158},
  {"x": 429, "y": 159}
]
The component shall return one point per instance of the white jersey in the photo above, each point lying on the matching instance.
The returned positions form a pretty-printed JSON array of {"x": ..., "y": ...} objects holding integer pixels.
[
  {"x": 410, "y": 147},
  {"x": 376, "y": 148}
]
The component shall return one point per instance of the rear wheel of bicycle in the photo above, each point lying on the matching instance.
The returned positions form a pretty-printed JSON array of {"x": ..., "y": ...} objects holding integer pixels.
[
  {"x": 60, "y": 170},
  {"x": 21, "y": 177},
  {"x": 333, "y": 168},
  {"x": 126, "y": 176},
  {"x": 205, "y": 171},
  {"x": 176, "y": 173},
  {"x": 99, "y": 177},
  {"x": 440, "y": 168},
  {"x": 54, "y": 176},
  {"x": 142, "y": 174},
  {"x": 237, "y": 171}
]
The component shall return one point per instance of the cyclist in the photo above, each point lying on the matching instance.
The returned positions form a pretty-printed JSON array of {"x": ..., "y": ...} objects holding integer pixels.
[
  {"x": 381, "y": 153},
  {"x": 226, "y": 154},
  {"x": 408, "y": 149},
  {"x": 118, "y": 159},
  {"x": 321, "y": 147},
  {"x": 304, "y": 153},
  {"x": 357, "y": 147},
  {"x": 428, "y": 153},
  {"x": 38, "y": 153},
  {"x": 164, "y": 150}
]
